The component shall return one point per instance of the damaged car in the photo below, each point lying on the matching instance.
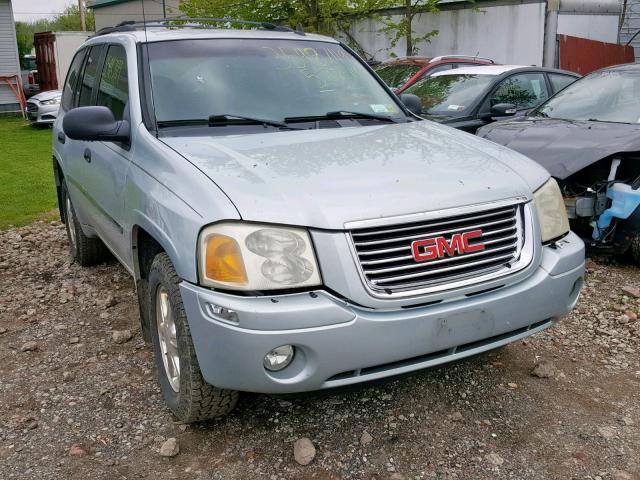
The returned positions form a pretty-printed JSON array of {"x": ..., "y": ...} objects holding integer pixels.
[{"x": 588, "y": 137}]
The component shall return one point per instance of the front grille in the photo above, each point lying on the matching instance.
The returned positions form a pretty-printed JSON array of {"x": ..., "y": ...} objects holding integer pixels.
[
  {"x": 32, "y": 107},
  {"x": 388, "y": 265}
]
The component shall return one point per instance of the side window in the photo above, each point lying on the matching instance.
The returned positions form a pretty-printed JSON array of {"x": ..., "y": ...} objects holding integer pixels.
[
  {"x": 524, "y": 90},
  {"x": 72, "y": 77},
  {"x": 89, "y": 76},
  {"x": 559, "y": 81},
  {"x": 113, "y": 91}
]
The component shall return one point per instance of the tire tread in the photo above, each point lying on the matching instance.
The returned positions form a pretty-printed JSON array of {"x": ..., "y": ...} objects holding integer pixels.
[{"x": 200, "y": 400}]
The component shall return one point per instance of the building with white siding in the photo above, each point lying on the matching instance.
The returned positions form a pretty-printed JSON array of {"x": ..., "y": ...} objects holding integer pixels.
[
  {"x": 111, "y": 12},
  {"x": 522, "y": 32},
  {"x": 631, "y": 26},
  {"x": 9, "y": 60}
]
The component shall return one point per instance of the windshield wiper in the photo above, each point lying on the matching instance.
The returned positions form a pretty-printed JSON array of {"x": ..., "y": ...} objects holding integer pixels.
[
  {"x": 341, "y": 115},
  {"x": 181, "y": 123},
  {"x": 229, "y": 119},
  {"x": 606, "y": 121},
  {"x": 348, "y": 114}
]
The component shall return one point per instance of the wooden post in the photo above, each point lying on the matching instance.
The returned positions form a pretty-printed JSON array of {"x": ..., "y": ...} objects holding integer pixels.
[{"x": 83, "y": 22}]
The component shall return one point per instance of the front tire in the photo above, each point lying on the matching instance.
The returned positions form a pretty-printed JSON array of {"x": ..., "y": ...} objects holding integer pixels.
[
  {"x": 189, "y": 397},
  {"x": 84, "y": 250}
]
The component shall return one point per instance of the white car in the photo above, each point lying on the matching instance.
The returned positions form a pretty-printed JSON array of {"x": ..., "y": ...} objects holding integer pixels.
[{"x": 43, "y": 107}]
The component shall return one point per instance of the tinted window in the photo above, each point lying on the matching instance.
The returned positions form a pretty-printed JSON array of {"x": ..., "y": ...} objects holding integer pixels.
[
  {"x": 524, "y": 90},
  {"x": 449, "y": 94},
  {"x": 397, "y": 75},
  {"x": 113, "y": 91},
  {"x": 559, "y": 81},
  {"x": 89, "y": 76},
  {"x": 72, "y": 77}
]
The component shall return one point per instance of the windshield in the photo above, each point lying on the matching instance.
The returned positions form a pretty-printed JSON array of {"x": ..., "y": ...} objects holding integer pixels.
[
  {"x": 449, "y": 95},
  {"x": 398, "y": 74},
  {"x": 266, "y": 79},
  {"x": 608, "y": 96}
]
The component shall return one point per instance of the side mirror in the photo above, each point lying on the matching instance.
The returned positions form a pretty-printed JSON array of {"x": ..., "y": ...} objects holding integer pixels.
[
  {"x": 95, "y": 124},
  {"x": 412, "y": 102},
  {"x": 503, "y": 110}
]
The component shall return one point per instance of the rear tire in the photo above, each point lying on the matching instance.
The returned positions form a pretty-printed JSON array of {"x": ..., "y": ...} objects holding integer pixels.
[
  {"x": 189, "y": 397},
  {"x": 84, "y": 250}
]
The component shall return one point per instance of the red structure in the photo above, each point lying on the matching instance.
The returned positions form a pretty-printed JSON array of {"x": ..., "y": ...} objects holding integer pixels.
[
  {"x": 15, "y": 84},
  {"x": 43, "y": 42},
  {"x": 584, "y": 56}
]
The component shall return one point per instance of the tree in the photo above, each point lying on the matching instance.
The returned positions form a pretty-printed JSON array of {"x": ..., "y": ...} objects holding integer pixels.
[
  {"x": 329, "y": 17},
  {"x": 403, "y": 28},
  {"x": 68, "y": 20}
]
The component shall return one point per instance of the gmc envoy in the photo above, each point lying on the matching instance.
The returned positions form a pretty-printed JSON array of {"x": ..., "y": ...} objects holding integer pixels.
[{"x": 290, "y": 224}]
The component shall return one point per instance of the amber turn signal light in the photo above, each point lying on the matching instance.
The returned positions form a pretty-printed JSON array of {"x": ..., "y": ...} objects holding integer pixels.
[{"x": 223, "y": 261}]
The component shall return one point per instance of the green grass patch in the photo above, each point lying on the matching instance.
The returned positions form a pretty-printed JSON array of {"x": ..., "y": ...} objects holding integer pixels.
[{"x": 27, "y": 189}]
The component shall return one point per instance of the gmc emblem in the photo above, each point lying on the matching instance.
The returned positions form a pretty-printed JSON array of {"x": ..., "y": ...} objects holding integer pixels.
[{"x": 437, "y": 247}]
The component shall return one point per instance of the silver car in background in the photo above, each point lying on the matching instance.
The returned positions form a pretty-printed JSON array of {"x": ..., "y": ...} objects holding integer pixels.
[{"x": 43, "y": 107}]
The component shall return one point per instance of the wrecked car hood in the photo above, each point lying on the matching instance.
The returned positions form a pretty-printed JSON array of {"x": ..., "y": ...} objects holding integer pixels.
[
  {"x": 563, "y": 147},
  {"x": 327, "y": 177}
]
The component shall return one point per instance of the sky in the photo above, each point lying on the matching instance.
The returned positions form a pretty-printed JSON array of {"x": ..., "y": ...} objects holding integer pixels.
[{"x": 28, "y": 10}]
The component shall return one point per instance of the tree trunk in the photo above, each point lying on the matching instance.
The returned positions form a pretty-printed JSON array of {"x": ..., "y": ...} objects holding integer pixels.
[
  {"x": 314, "y": 13},
  {"x": 408, "y": 17}
]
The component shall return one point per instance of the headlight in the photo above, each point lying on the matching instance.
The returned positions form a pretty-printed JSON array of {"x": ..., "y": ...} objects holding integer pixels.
[
  {"x": 53, "y": 101},
  {"x": 243, "y": 256},
  {"x": 552, "y": 214}
]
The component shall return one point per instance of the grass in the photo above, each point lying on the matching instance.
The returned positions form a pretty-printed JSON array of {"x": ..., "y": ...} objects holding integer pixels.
[{"x": 27, "y": 190}]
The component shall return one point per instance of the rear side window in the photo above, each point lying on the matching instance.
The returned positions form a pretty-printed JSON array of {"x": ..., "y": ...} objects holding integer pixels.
[
  {"x": 72, "y": 78},
  {"x": 113, "y": 91},
  {"x": 559, "y": 81},
  {"x": 89, "y": 76},
  {"x": 524, "y": 90}
]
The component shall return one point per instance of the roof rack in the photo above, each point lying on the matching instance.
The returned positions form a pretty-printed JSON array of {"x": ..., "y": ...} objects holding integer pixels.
[
  {"x": 191, "y": 22},
  {"x": 465, "y": 57}
]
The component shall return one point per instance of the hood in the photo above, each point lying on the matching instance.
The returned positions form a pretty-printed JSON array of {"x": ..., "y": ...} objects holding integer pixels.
[
  {"x": 48, "y": 95},
  {"x": 325, "y": 178},
  {"x": 561, "y": 146}
]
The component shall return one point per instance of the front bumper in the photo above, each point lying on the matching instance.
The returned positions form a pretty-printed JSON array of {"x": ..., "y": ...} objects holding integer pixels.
[
  {"x": 43, "y": 114},
  {"x": 339, "y": 343}
]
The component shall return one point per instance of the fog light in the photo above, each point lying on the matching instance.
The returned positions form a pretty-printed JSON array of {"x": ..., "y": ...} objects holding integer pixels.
[
  {"x": 278, "y": 358},
  {"x": 223, "y": 313}
]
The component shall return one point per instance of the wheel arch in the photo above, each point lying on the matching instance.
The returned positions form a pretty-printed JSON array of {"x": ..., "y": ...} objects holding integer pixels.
[
  {"x": 58, "y": 176},
  {"x": 147, "y": 241}
]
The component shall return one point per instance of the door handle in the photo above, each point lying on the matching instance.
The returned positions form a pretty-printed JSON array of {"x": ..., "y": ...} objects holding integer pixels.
[
  {"x": 61, "y": 137},
  {"x": 87, "y": 155}
]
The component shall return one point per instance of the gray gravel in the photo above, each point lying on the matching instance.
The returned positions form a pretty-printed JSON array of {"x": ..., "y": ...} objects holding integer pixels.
[{"x": 78, "y": 396}]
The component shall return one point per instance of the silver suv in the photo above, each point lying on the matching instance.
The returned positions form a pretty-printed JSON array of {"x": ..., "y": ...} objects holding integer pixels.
[{"x": 290, "y": 225}]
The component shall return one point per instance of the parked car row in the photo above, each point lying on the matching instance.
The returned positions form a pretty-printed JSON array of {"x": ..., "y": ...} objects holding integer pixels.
[
  {"x": 586, "y": 134},
  {"x": 469, "y": 98},
  {"x": 588, "y": 137}
]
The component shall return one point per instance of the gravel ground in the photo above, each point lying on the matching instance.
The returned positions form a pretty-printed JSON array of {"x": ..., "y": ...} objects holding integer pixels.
[{"x": 78, "y": 396}]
